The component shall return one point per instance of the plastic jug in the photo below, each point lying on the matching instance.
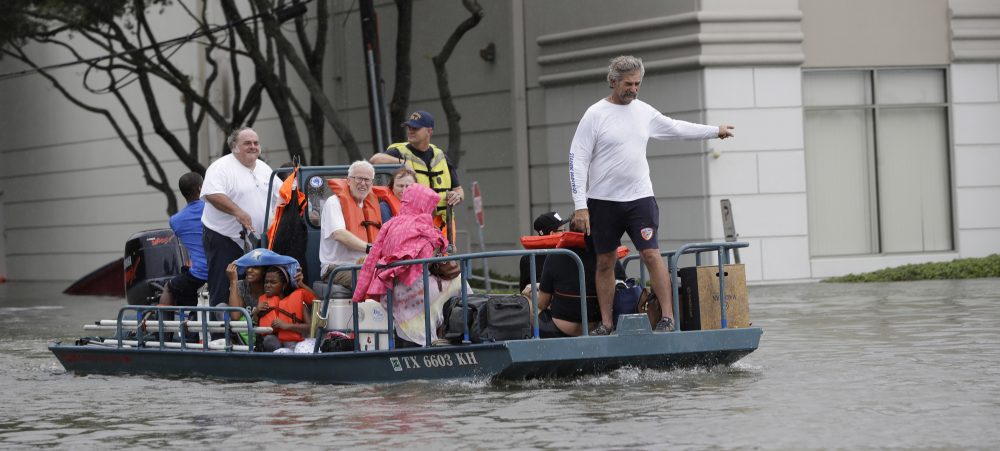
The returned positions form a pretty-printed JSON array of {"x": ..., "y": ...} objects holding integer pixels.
[{"x": 339, "y": 314}]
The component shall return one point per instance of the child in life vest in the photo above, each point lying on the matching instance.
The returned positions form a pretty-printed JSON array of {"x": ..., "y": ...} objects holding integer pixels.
[{"x": 283, "y": 309}]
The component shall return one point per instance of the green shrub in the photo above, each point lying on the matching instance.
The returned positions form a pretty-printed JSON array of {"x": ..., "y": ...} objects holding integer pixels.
[{"x": 962, "y": 268}]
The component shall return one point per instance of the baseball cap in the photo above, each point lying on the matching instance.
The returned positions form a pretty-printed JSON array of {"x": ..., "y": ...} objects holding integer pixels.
[
  {"x": 420, "y": 119},
  {"x": 548, "y": 223}
]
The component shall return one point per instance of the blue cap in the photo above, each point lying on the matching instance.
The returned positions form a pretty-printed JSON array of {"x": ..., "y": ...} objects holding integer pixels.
[{"x": 420, "y": 119}]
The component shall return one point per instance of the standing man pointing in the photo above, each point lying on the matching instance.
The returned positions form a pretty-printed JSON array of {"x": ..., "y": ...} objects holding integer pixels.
[{"x": 609, "y": 180}]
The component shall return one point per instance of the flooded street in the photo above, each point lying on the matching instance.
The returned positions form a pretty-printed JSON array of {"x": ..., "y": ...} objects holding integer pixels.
[{"x": 848, "y": 366}]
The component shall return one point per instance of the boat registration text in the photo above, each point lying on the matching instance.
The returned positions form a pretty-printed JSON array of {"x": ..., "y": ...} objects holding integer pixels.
[{"x": 433, "y": 361}]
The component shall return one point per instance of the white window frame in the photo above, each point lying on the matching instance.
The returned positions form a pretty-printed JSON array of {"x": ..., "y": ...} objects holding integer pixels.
[{"x": 873, "y": 108}]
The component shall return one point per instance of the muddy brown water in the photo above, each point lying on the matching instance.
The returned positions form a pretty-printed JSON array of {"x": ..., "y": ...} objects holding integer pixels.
[{"x": 912, "y": 365}]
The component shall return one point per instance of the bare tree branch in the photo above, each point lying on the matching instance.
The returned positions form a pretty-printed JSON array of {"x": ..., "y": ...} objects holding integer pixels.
[
  {"x": 263, "y": 66},
  {"x": 401, "y": 92},
  {"x": 455, "y": 151},
  {"x": 161, "y": 184},
  {"x": 315, "y": 89}
]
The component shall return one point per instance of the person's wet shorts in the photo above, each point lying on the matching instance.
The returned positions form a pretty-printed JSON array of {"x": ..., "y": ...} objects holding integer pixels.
[{"x": 639, "y": 218}]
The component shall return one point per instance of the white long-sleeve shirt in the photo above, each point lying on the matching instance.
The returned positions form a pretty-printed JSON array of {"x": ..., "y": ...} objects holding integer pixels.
[{"x": 607, "y": 159}]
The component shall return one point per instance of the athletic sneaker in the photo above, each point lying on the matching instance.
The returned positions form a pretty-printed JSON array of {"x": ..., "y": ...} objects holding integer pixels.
[
  {"x": 665, "y": 325},
  {"x": 601, "y": 330}
]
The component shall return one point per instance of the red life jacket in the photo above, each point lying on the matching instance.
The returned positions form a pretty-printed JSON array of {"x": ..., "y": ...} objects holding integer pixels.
[
  {"x": 384, "y": 193},
  {"x": 561, "y": 240}
]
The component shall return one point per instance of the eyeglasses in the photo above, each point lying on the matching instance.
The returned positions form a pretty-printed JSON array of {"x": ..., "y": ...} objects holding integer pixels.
[{"x": 360, "y": 179}]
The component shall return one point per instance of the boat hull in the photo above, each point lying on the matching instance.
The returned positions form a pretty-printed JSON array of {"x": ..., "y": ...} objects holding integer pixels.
[{"x": 509, "y": 360}]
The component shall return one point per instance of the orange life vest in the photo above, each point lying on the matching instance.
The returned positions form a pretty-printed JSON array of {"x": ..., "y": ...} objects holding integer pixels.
[
  {"x": 293, "y": 304},
  {"x": 384, "y": 193},
  {"x": 561, "y": 240},
  {"x": 285, "y": 191},
  {"x": 363, "y": 221}
]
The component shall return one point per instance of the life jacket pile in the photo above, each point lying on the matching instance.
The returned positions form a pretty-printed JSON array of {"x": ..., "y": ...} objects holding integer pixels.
[{"x": 562, "y": 240}]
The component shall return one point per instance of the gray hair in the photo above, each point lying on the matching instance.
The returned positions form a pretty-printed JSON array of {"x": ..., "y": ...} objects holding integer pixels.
[
  {"x": 231, "y": 140},
  {"x": 360, "y": 164},
  {"x": 624, "y": 64}
]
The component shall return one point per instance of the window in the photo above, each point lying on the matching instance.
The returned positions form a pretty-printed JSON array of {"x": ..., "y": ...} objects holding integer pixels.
[{"x": 877, "y": 166}]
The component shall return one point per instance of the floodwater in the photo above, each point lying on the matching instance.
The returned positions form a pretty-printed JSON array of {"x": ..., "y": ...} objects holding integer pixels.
[{"x": 911, "y": 365}]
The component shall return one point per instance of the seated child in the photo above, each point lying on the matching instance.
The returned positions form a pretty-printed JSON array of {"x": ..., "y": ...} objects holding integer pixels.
[{"x": 285, "y": 310}]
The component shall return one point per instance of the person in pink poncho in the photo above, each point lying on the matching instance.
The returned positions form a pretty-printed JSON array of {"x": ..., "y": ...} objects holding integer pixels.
[{"x": 409, "y": 235}]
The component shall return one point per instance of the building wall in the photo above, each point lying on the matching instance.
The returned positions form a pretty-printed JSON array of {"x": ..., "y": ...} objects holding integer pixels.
[
  {"x": 481, "y": 92},
  {"x": 859, "y": 33},
  {"x": 975, "y": 88},
  {"x": 72, "y": 194},
  {"x": 708, "y": 62}
]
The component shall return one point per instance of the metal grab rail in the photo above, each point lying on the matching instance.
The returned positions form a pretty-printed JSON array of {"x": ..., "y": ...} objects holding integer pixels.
[
  {"x": 722, "y": 249},
  {"x": 140, "y": 311},
  {"x": 465, "y": 263}
]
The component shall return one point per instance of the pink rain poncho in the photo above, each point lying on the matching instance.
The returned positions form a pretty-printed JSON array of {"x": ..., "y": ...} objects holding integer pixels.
[{"x": 409, "y": 235}]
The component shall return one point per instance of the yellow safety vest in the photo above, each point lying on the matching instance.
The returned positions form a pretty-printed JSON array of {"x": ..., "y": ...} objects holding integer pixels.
[{"x": 436, "y": 178}]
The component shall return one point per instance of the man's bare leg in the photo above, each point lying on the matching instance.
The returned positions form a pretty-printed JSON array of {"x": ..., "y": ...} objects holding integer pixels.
[
  {"x": 660, "y": 278},
  {"x": 604, "y": 280},
  {"x": 166, "y": 298}
]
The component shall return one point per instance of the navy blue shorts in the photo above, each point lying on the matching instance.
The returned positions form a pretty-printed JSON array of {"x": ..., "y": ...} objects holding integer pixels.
[{"x": 639, "y": 218}]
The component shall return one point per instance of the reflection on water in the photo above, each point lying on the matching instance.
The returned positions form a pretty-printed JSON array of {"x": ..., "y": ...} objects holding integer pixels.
[{"x": 902, "y": 365}]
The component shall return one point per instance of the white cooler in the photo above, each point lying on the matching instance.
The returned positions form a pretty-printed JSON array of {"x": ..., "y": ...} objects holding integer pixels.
[{"x": 371, "y": 315}]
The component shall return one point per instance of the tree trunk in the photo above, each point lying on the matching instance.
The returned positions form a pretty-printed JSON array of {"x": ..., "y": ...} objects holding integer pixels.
[
  {"x": 315, "y": 89},
  {"x": 401, "y": 93},
  {"x": 455, "y": 151}
]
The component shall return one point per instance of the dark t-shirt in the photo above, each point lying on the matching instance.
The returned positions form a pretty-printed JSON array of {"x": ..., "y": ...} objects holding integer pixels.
[
  {"x": 427, "y": 156},
  {"x": 560, "y": 277},
  {"x": 525, "y": 277}
]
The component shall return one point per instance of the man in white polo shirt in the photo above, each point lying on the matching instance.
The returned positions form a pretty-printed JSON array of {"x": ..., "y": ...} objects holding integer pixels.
[{"x": 235, "y": 195}]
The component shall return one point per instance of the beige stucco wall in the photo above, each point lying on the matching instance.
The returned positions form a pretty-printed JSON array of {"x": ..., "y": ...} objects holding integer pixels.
[
  {"x": 852, "y": 33},
  {"x": 72, "y": 194}
]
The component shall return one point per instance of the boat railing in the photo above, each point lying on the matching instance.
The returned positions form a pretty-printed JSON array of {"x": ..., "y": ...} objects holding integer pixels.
[
  {"x": 464, "y": 261},
  {"x": 722, "y": 251},
  {"x": 144, "y": 336}
]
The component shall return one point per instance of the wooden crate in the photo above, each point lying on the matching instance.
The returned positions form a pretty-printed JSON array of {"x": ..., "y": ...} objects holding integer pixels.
[{"x": 699, "y": 297}]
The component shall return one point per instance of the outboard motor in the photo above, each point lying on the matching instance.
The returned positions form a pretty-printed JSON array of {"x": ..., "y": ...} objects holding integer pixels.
[{"x": 151, "y": 258}]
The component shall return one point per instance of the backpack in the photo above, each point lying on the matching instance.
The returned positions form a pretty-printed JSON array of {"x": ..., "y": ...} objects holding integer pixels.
[{"x": 627, "y": 294}]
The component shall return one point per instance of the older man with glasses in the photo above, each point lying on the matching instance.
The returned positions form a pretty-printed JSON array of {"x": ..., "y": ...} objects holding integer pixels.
[{"x": 350, "y": 221}]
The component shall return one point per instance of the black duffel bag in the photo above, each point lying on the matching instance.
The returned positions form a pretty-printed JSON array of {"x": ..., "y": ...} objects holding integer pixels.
[
  {"x": 453, "y": 330},
  {"x": 491, "y": 318}
]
